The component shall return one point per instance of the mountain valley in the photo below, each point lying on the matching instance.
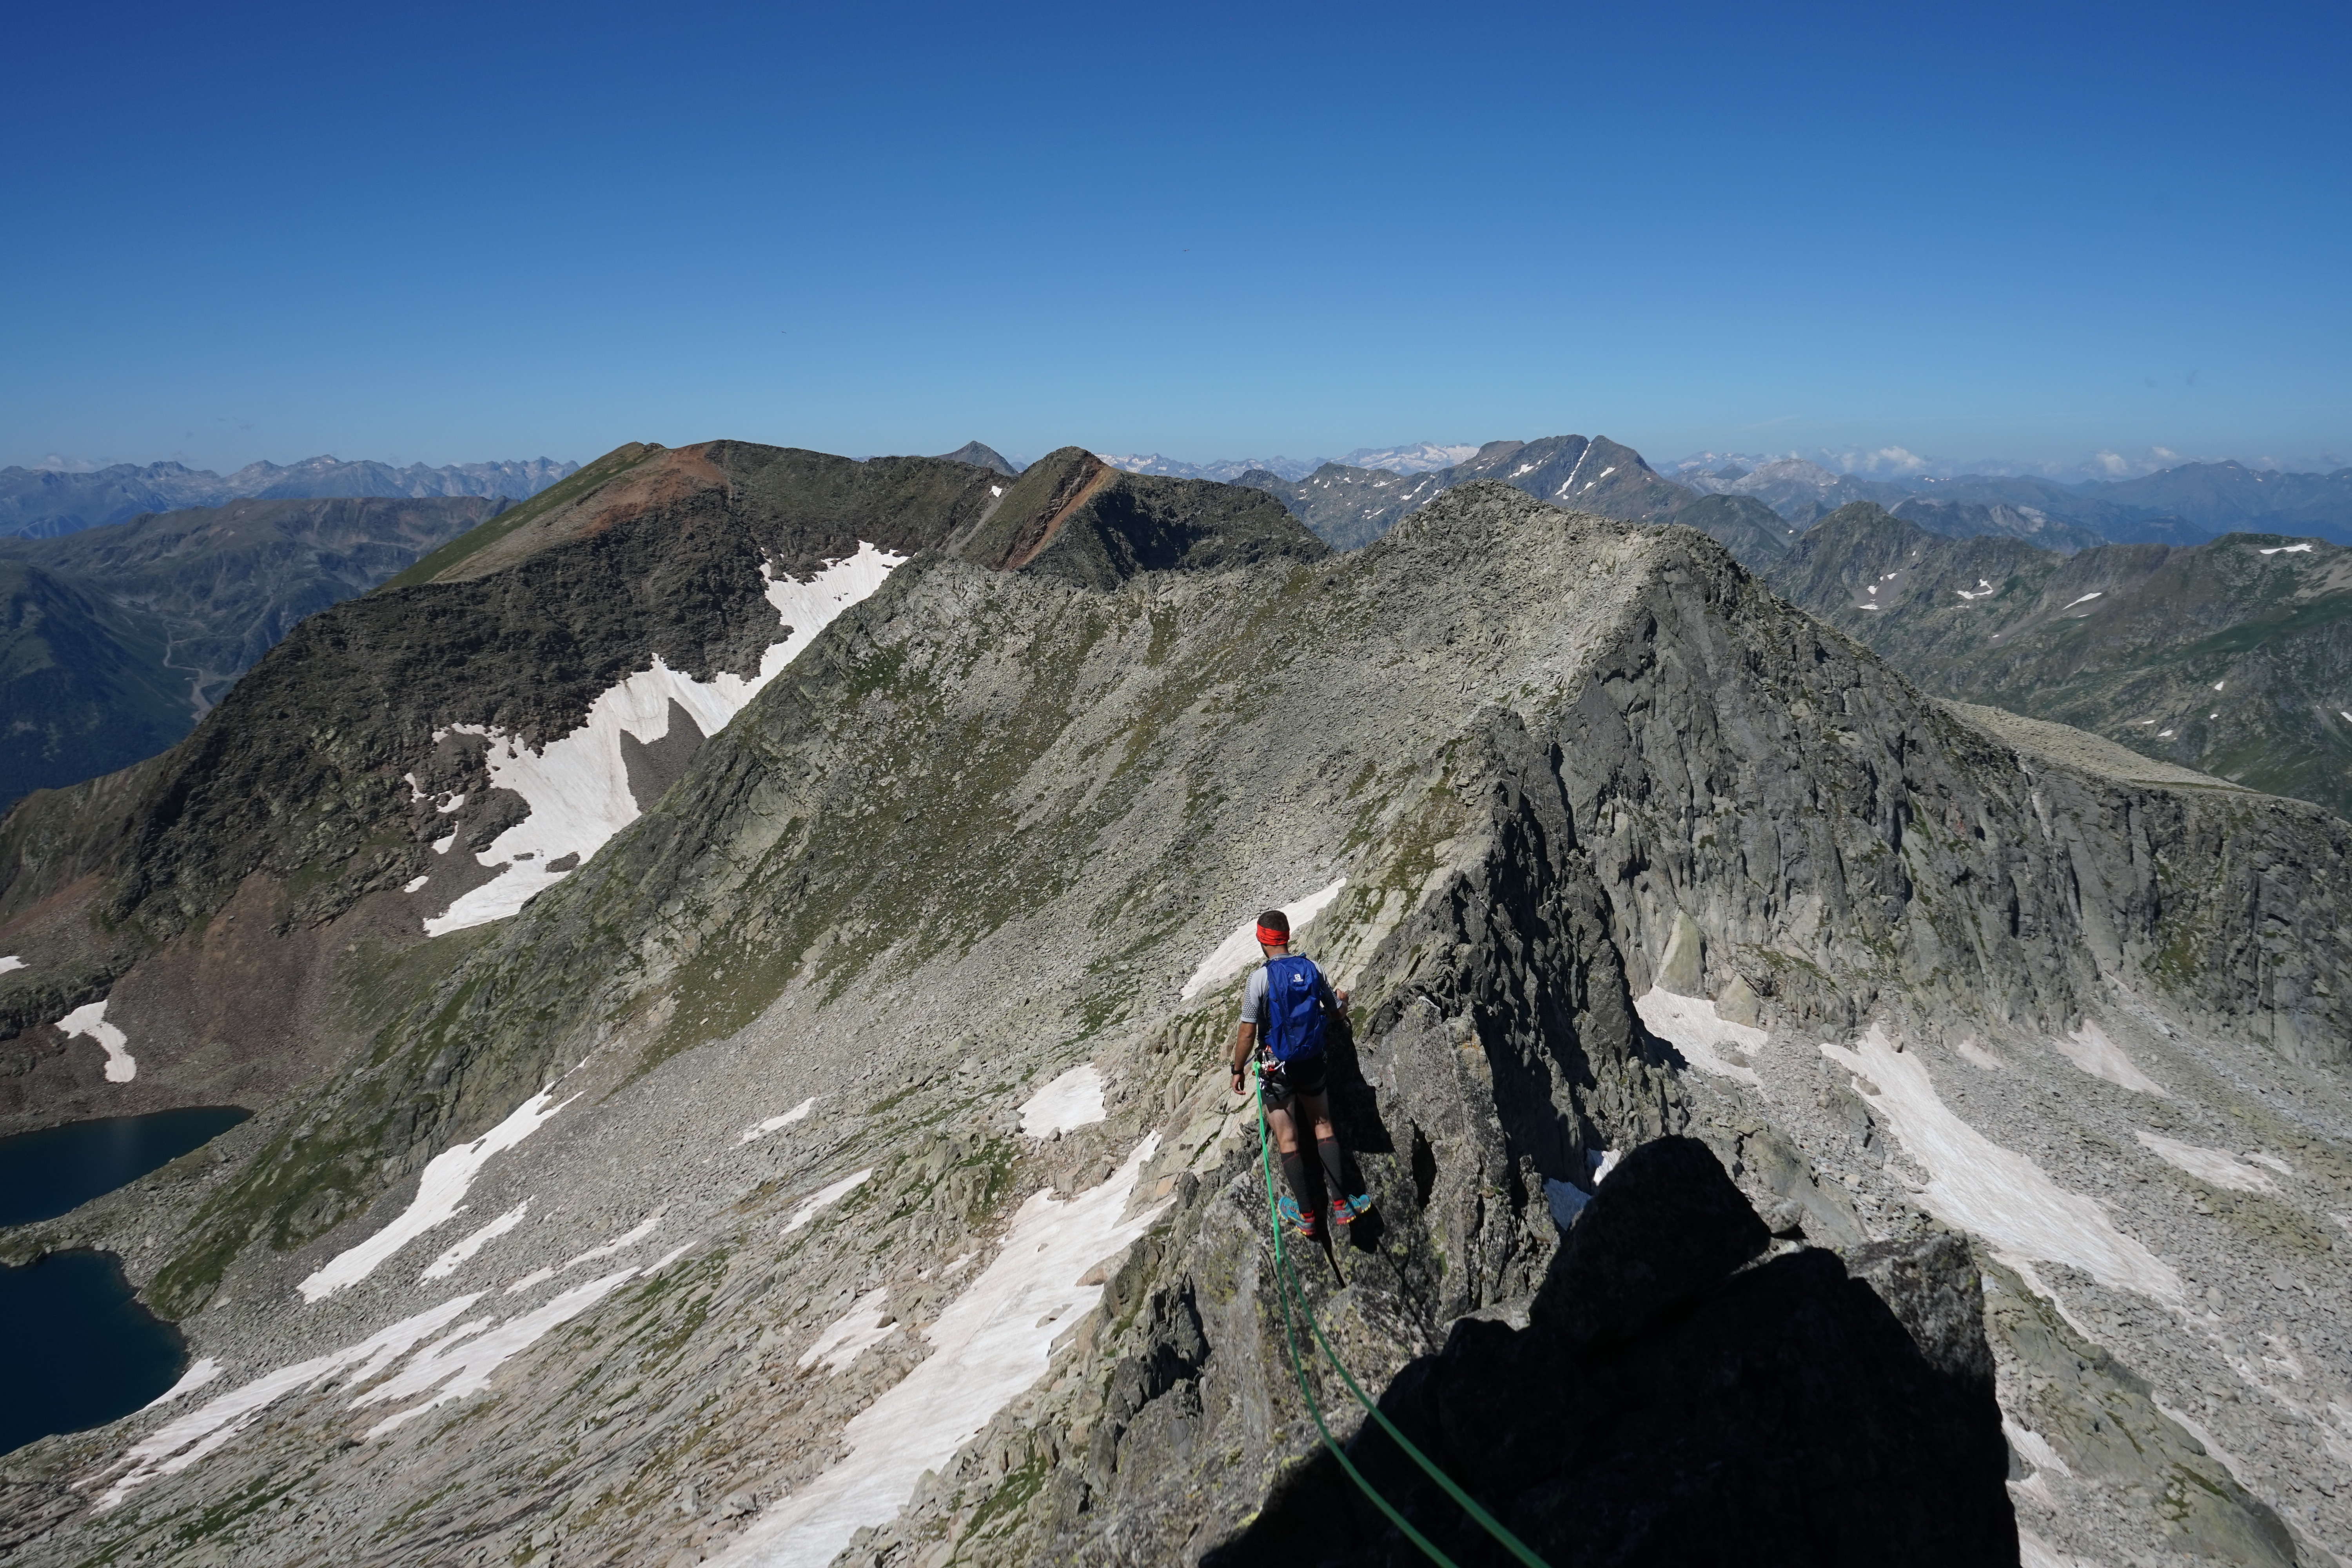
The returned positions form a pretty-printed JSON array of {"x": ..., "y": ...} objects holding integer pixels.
[
  {"x": 121, "y": 636},
  {"x": 39, "y": 503},
  {"x": 2233, "y": 658},
  {"x": 730, "y": 960}
]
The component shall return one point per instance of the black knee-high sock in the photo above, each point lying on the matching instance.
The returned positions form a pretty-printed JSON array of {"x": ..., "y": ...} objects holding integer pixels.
[
  {"x": 1294, "y": 1170},
  {"x": 1329, "y": 1148}
]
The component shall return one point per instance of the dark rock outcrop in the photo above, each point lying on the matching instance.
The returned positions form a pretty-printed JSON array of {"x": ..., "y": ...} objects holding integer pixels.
[{"x": 1669, "y": 1403}]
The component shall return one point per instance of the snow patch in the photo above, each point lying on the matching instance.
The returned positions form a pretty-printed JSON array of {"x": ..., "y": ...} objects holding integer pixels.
[
  {"x": 578, "y": 786},
  {"x": 196, "y": 1377},
  {"x": 825, "y": 1198},
  {"x": 2032, "y": 1447},
  {"x": 619, "y": 1244},
  {"x": 177, "y": 1445},
  {"x": 773, "y": 1122},
  {"x": 448, "y": 1263},
  {"x": 462, "y": 1362},
  {"x": 2219, "y": 684},
  {"x": 2089, "y": 1048},
  {"x": 455, "y": 801},
  {"x": 1567, "y": 1202},
  {"x": 90, "y": 1020},
  {"x": 995, "y": 1340},
  {"x": 2083, "y": 600},
  {"x": 443, "y": 847},
  {"x": 2288, "y": 550},
  {"x": 1975, "y": 1184},
  {"x": 863, "y": 1327},
  {"x": 9, "y": 963},
  {"x": 1074, "y": 1099},
  {"x": 2214, "y": 1165},
  {"x": 440, "y": 1192},
  {"x": 1977, "y": 1056},
  {"x": 411, "y": 886},
  {"x": 1689, "y": 1024},
  {"x": 1239, "y": 950}
]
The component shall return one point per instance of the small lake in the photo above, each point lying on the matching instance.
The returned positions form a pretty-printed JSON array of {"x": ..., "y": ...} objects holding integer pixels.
[
  {"x": 76, "y": 1348},
  {"x": 45, "y": 1173}
]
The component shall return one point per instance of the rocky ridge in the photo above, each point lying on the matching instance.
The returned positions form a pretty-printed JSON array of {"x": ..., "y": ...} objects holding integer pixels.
[{"x": 892, "y": 990}]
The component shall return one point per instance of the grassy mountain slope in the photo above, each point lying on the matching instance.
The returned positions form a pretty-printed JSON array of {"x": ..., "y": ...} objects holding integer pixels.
[
  {"x": 222, "y": 584},
  {"x": 301, "y": 776},
  {"x": 83, "y": 687},
  {"x": 2233, "y": 658},
  {"x": 1752, "y": 532},
  {"x": 125, "y": 633}
]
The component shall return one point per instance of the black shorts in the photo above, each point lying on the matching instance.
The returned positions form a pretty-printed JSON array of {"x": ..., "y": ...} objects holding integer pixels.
[{"x": 1285, "y": 1082}]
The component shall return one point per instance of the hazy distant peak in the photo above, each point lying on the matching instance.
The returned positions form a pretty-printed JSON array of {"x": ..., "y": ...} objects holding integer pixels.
[
  {"x": 1417, "y": 459},
  {"x": 981, "y": 456}
]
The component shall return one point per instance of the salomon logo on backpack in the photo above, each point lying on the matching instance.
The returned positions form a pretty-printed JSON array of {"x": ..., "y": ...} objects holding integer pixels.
[{"x": 1293, "y": 1008}]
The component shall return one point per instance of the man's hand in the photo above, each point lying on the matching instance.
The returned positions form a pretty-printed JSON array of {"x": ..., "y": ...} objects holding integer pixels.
[{"x": 1239, "y": 1083}]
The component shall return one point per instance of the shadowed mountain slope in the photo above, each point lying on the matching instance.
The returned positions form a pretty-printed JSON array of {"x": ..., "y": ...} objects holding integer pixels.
[{"x": 83, "y": 687}]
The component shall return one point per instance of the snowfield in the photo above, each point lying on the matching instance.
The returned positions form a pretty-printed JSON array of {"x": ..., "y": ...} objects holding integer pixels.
[
  {"x": 1975, "y": 1184},
  {"x": 2089, "y": 1048},
  {"x": 90, "y": 1020},
  {"x": 753, "y": 1133},
  {"x": 2214, "y": 1165},
  {"x": 991, "y": 1342},
  {"x": 440, "y": 1194},
  {"x": 578, "y": 786},
  {"x": 1239, "y": 950},
  {"x": 1689, "y": 1024},
  {"x": 1072, "y": 1100}
]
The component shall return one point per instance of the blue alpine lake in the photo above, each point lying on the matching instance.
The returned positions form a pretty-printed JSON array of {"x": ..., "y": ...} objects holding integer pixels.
[
  {"x": 45, "y": 1173},
  {"x": 76, "y": 1348}
]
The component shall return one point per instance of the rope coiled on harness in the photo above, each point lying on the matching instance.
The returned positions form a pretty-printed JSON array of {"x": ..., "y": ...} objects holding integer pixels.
[{"x": 1287, "y": 1285}]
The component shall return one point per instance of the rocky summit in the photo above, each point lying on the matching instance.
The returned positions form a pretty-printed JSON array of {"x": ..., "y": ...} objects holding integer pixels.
[{"x": 732, "y": 961}]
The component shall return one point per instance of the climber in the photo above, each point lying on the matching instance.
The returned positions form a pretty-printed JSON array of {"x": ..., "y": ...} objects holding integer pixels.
[{"x": 1283, "y": 1012}]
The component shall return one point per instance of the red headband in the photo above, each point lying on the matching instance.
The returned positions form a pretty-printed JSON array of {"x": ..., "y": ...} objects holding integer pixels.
[{"x": 1269, "y": 937}]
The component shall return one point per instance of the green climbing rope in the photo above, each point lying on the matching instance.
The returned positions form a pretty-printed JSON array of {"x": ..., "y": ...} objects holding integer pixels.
[{"x": 1287, "y": 1284}]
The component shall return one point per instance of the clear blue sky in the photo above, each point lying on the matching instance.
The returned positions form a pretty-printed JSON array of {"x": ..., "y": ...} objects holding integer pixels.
[{"x": 444, "y": 234}]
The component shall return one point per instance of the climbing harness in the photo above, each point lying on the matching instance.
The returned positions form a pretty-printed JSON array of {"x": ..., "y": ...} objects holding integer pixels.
[{"x": 1285, "y": 1286}]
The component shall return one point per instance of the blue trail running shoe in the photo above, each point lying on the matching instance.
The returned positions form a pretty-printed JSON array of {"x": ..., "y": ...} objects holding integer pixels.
[
  {"x": 1344, "y": 1210},
  {"x": 1301, "y": 1225}
]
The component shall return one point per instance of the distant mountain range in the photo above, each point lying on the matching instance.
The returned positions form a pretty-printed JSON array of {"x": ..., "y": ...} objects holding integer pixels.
[
  {"x": 1359, "y": 498},
  {"x": 39, "y": 503},
  {"x": 1420, "y": 457}
]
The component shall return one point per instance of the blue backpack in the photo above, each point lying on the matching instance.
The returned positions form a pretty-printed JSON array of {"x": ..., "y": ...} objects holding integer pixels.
[{"x": 1295, "y": 995}]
